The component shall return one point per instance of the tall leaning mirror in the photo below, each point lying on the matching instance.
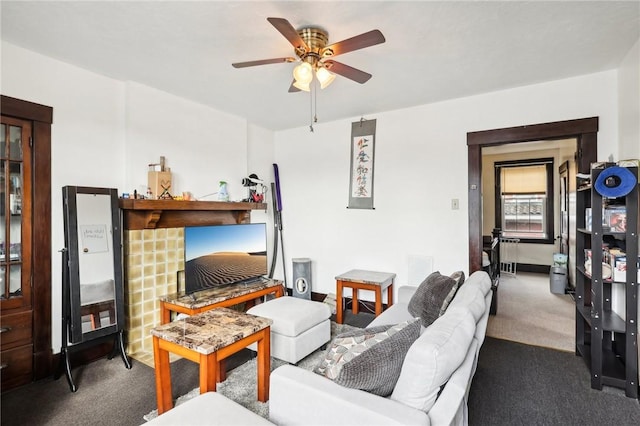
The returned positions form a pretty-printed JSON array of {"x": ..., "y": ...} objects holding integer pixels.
[
  {"x": 93, "y": 243},
  {"x": 93, "y": 291}
]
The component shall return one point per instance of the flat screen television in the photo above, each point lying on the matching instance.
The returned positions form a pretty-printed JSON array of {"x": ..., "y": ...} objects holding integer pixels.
[{"x": 220, "y": 255}]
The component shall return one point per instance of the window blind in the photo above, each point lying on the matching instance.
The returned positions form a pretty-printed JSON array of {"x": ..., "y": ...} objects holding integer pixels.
[{"x": 524, "y": 180}]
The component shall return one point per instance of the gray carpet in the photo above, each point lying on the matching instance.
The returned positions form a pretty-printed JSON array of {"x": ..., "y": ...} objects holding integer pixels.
[
  {"x": 529, "y": 313},
  {"x": 517, "y": 384},
  {"x": 108, "y": 394}
]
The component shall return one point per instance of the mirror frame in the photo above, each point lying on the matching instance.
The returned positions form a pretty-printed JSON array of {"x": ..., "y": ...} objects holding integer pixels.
[{"x": 71, "y": 273}]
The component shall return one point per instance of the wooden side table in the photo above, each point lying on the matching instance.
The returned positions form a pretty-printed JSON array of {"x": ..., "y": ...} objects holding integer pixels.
[
  {"x": 207, "y": 339},
  {"x": 219, "y": 297},
  {"x": 358, "y": 279}
]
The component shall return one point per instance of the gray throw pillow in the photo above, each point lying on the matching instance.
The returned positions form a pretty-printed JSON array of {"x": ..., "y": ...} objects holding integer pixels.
[
  {"x": 369, "y": 359},
  {"x": 431, "y": 295},
  {"x": 458, "y": 276}
]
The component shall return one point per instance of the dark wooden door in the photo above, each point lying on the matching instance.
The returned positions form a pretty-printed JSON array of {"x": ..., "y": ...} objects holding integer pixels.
[
  {"x": 563, "y": 172},
  {"x": 16, "y": 337}
]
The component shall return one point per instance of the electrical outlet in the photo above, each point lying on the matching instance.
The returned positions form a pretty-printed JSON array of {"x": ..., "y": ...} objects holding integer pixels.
[{"x": 455, "y": 205}]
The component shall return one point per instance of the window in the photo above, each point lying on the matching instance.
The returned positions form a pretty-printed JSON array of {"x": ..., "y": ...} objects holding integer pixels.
[{"x": 524, "y": 199}]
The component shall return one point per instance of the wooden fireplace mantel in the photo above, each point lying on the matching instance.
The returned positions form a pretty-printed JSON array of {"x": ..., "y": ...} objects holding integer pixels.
[{"x": 152, "y": 214}]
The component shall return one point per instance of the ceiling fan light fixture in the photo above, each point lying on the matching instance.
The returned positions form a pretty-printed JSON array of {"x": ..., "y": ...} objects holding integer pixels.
[
  {"x": 324, "y": 77},
  {"x": 312, "y": 48},
  {"x": 303, "y": 73},
  {"x": 302, "y": 86}
]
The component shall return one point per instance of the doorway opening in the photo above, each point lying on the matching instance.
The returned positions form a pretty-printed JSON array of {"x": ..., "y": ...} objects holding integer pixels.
[
  {"x": 584, "y": 131},
  {"x": 580, "y": 138}
]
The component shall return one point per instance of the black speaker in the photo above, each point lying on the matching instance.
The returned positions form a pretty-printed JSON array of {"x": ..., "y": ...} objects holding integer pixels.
[{"x": 302, "y": 278}]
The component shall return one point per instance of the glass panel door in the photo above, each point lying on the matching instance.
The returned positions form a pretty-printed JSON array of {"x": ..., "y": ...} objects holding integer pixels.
[{"x": 14, "y": 213}]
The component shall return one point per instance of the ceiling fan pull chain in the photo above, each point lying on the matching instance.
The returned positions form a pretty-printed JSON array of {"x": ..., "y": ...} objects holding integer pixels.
[
  {"x": 315, "y": 101},
  {"x": 311, "y": 112}
]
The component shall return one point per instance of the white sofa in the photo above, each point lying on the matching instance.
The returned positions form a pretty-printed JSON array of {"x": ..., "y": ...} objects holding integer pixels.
[{"x": 443, "y": 359}]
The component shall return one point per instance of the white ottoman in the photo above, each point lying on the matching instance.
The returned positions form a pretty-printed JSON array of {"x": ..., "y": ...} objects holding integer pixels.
[
  {"x": 209, "y": 408},
  {"x": 300, "y": 326}
]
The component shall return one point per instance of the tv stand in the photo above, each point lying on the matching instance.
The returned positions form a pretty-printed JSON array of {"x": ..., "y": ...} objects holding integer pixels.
[{"x": 218, "y": 297}]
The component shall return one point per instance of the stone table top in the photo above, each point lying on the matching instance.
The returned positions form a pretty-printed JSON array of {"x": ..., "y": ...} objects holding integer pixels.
[
  {"x": 214, "y": 295},
  {"x": 212, "y": 330},
  {"x": 383, "y": 279}
]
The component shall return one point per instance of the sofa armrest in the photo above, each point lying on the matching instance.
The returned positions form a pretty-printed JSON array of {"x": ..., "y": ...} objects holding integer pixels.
[
  {"x": 299, "y": 396},
  {"x": 405, "y": 293}
]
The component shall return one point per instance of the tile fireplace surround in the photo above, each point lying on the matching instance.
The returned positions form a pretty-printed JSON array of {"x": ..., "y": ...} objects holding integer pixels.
[
  {"x": 154, "y": 253},
  {"x": 153, "y": 258}
]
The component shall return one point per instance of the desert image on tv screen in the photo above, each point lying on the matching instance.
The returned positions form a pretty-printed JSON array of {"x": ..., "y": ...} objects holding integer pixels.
[{"x": 224, "y": 254}]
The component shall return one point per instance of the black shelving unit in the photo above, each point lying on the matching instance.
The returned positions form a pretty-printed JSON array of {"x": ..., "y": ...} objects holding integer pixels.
[{"x": 607, "y": 342}]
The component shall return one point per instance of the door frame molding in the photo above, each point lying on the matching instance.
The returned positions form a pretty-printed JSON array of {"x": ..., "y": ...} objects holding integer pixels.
[{"x": 584, "y": 130}]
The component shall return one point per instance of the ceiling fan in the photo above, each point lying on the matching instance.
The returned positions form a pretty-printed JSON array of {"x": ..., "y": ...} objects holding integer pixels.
[{"x": 310, "y": 44}]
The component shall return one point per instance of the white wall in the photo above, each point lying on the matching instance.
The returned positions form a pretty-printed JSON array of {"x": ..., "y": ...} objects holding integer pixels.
[
  {"x": 629, "y": 104},
  {"x": 202, "y": 146},
  {"x": 421, "y": 164},
  {"x": 105, "y": 132},
  {"x": 260, "y": 161}
]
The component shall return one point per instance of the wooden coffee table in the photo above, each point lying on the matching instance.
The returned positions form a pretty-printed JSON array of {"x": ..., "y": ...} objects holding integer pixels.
[
  {"x": 358, "y": 279},
  {"x": 207, "y": 339},
  {"x": 219, "y": 297}
]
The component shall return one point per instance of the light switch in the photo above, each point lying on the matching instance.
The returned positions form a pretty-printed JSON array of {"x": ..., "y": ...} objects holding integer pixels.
[{"x": 455, "y": 205}]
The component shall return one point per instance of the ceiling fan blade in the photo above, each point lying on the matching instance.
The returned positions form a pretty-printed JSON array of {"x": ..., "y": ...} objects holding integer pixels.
[
  {"x": 347, "y": 71},
  {"x": 290, "y": 33},
  {"x": 361, "y": 41},
  {"x": 262, "y": 62}
]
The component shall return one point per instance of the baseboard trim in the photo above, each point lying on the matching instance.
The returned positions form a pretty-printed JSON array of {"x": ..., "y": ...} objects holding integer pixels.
[
  {"x": 316, "y": 297},
  {"x": 528, "y": 267}
]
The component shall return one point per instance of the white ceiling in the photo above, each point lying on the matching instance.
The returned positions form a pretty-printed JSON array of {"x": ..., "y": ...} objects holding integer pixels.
[{"x": 434, "y": 51}]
